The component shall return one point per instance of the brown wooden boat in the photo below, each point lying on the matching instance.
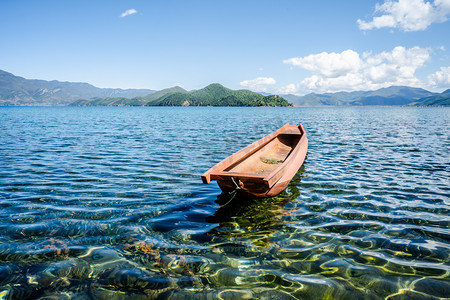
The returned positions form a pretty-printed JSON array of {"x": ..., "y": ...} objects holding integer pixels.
[{"x": 264, "y": 168}]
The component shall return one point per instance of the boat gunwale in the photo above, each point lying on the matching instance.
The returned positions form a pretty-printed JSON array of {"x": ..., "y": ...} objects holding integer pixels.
[
  {"x": 276, "y": 175},
  {"x": 240, "y": 155}
]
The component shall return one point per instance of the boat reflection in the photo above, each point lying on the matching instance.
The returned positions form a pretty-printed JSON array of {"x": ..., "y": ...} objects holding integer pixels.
[{"x": 242, "y": 219}]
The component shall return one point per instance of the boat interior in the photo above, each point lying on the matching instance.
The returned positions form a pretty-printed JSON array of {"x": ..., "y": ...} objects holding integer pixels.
[{"x": 267, "y": 158}]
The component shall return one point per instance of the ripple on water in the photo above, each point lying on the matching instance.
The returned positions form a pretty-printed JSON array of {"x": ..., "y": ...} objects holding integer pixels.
[{"x": 107, "y": 203}]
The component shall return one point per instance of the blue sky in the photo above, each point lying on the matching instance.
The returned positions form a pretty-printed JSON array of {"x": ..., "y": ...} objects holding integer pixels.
[{"x": 273, "y": 46}]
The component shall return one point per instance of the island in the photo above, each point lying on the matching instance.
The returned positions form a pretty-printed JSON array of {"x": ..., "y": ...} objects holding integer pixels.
[{"x": 212, "y": 95}]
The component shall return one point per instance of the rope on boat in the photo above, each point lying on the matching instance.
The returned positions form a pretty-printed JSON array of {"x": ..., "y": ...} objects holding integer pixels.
[
  {"x": 237, "y": 186},
  {"x": 233, "y": 192}
]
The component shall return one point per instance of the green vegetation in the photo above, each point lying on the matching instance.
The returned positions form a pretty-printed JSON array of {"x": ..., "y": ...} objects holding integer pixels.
[
  {"x": 212, "y": 95},
  {"x": 117, "y": 101}
]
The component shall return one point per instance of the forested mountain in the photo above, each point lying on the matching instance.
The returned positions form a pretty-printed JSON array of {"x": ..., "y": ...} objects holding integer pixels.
[
  {"x": 212, "y": 95},
  {"x": 122, "y": 101}
]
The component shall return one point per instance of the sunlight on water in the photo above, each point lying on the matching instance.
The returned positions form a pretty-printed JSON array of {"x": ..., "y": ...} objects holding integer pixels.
[{"x": 107, "y": 203}]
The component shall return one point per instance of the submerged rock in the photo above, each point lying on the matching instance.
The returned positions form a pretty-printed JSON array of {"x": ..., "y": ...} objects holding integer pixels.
[{"x": 126, "y": 282}]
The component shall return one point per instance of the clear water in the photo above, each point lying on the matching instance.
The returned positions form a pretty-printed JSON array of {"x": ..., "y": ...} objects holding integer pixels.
[{"x": 107, "y": 203}]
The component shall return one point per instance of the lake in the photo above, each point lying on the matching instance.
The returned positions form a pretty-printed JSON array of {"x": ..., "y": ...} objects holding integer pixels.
[{"x": 108, "y": 203}]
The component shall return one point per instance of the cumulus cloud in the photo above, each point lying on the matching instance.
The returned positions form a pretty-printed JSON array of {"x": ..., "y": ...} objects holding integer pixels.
[
  {"x": 408, "y": 15},
  {"x": 440, "y": 79},
  {"x": 128, "y": 12},
  {"x": 258, "y": 84},
  {"x": 289, "y": 89},
  {"x": 328, "y": 64},
  {"x": 350, "y": 70}
]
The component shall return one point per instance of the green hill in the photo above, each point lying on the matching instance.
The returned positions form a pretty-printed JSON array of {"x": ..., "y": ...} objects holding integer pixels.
[
  {"x": 122, "y": 101},
  {"x": 116, "y": 101},
  {"x": 212, "y": 95},
  {"x": 156, "y": 95}
]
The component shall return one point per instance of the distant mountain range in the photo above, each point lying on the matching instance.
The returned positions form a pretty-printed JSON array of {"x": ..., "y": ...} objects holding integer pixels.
[
  {"x": 394, "y": 95},
  {"x": 16, "y": 90},
  {"x": 442, "y": 99},
  {"x": 212, "y": 95}
]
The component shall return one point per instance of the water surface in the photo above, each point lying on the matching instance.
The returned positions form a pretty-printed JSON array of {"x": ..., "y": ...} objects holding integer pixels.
[{"x": 107, "y": 203}]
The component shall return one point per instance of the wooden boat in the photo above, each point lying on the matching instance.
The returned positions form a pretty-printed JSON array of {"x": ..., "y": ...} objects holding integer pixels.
[{"x": 264, "y": 168}]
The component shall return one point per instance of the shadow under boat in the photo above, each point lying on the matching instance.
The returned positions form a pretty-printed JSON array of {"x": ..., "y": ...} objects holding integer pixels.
[{"x": 255, "y": 219}]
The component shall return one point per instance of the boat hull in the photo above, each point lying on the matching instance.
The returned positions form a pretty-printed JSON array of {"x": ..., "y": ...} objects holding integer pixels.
[
  {"x": 264, "y": 168},
  {"x": 257, "y": 190}
]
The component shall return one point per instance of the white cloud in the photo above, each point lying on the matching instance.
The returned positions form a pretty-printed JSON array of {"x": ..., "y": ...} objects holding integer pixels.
[
  {"x": 128, "y": 12},
  {"x": 349, "y": 70},
  {"x": 440, "y": 79},
  {"x": 289, "y": 89},
  {"x": 397, "y": 66},
  {"x": 328, "y": 64},
  {"x": 408, "y": 15},
  {"x": 258, "y": 84}
]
